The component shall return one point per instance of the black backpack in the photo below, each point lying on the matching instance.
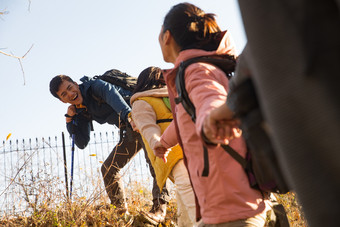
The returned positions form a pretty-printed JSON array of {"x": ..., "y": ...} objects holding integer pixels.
[
  {"x": 116, "y": 77},
  {"x": 260, "y": 163}
]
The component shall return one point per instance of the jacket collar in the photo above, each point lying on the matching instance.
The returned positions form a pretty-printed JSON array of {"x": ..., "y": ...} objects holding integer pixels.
[{"x": 159, "y": 92}]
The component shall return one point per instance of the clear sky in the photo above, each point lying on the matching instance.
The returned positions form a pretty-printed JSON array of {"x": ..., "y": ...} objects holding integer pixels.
[{"x": 77, "y": 38}]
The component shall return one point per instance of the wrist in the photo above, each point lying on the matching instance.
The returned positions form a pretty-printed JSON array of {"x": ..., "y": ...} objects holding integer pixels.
[
  {"x": 69, "y": 118},
  {"x": 206, "y": 140}
]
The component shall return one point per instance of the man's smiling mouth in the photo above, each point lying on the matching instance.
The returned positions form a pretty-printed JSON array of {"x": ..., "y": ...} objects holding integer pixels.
[{"x": 75, "y": 97}]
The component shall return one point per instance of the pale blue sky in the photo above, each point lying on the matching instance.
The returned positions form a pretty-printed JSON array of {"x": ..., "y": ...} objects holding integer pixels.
[{"x": 76, "y": 38}]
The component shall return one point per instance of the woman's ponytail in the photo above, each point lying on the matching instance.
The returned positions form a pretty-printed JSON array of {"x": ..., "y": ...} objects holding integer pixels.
[{"x": 191, "y": 27}]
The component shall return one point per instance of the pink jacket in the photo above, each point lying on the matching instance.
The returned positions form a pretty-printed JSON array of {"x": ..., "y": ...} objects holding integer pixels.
[{"x": 225, "y": 194}]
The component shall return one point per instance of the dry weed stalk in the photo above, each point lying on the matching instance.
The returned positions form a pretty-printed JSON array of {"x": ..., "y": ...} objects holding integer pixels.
[{"x": 19, "y": 59}]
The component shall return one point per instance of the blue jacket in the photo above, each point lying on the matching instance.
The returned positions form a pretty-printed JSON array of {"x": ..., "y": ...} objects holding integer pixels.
[{"x": 104, "y": 103}]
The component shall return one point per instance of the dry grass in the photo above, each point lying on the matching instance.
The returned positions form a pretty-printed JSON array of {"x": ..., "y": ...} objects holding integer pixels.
[
  {"x": 47, "y": 205},
  {"x": 293, "y": 209},
  {"x": 93, "y": 211},
  {"x": 82, "y": 213}
]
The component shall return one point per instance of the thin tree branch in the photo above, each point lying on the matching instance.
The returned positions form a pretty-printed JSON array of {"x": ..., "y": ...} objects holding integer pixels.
[
  {"x": 20, "y": 169},
  {"x": 29, "y": 5},
  {"x": 19, "y": 58},
  {"x": 13, "y": 56},
  {"x": 23, "y": 72}
]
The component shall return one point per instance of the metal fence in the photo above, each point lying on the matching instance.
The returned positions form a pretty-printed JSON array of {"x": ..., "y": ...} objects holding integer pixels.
[{"x": 33, "y": 172}]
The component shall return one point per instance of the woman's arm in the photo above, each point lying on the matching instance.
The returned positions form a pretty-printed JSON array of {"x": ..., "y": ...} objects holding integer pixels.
[
  {"x": 145, "y": 118},
  {"x": 169, "y": 137},
  {"x": 207, "y": 88}
]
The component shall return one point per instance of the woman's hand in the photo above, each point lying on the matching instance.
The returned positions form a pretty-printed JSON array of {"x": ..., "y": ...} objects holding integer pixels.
[
  {"x": 160, "y": 151},
  {"x": 133, "y": 125}
]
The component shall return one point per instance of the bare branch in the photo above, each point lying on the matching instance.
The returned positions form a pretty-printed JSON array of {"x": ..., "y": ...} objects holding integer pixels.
[
  {"x": 23, "y": 72},
  {"x": 29, "y": 5},
  {"x": 11, "y": 55},
  {"x": 19, "y": 59},
  {"x": 20, "y": 169},
  {"x": 27, "y": 51}
]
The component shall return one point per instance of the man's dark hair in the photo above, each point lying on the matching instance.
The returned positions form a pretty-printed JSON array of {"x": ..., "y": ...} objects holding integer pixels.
[{"x": 55, "y": 84}]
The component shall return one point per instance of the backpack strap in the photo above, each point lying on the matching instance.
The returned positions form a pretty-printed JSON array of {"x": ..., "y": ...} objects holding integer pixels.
[
  {"x": 205, "y": 171},
  {"x": 183, "y": 96},
  {"x": 163, "y": 121},
  {"x": 225, "y": 63},
  {"x": 243, "y": 162}
]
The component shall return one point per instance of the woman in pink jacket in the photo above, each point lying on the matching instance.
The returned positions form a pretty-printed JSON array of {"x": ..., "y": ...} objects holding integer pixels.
[{"x": 224, "y": 196}]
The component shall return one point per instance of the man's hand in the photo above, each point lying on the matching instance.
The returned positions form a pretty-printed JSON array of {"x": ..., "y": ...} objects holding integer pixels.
[
  {"x": 71, "y": 111},
  {"x": 160, "y": 151}
]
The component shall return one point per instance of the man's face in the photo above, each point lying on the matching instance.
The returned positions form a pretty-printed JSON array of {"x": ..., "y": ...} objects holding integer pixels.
[{"x": 69, "y": 93}]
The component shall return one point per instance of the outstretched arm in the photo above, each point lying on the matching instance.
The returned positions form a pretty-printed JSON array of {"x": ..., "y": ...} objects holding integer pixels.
[
  {"x": 208, "y": 92},
  {"x": 144, "y": 118}
]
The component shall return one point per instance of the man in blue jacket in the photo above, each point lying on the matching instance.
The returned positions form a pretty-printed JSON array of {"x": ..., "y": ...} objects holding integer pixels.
[{"x": 95, "y": 99}]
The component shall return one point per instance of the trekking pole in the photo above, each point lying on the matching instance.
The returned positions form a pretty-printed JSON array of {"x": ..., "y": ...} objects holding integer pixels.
[
  {"x": 65, "y": 164},
  {"x": 72, "y": 159}
]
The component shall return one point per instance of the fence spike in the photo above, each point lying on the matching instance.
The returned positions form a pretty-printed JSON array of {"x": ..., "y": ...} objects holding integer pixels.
[
  {"x": 37, "y": 167},
  {"x": 17, "y": 143},
  {"x": 94, "y": 136}
]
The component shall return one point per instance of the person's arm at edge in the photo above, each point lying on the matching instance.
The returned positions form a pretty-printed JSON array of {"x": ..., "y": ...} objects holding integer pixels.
[{"x": 169, "y": 137}]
